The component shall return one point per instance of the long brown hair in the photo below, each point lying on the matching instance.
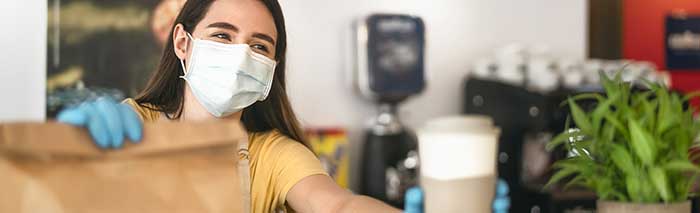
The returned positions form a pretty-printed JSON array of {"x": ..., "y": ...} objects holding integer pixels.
[{"x": 165, "y": 90}]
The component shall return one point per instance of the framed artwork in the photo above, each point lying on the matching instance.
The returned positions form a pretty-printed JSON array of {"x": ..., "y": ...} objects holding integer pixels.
[
  {"x": 103, "y": 47},
  {"x": 683, "y": 42}
]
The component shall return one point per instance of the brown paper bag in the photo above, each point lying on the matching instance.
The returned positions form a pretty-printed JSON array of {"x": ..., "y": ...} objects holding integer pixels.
[{"x": 178, "y": 167}]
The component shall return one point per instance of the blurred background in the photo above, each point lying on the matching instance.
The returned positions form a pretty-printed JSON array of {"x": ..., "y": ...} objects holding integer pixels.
[{"x": 57, "y": 53}]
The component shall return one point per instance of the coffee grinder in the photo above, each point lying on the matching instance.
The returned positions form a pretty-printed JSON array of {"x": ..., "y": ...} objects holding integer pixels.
[{"x": 389, "y": 69}]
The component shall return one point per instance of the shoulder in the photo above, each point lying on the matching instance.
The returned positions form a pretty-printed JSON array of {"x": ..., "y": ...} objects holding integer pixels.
[
  {"x": 146, "y": 112},
  {"x": 275, "y": 143},
  {"x": 278, "y": 162},
  {"x": 278, "y": 154}
]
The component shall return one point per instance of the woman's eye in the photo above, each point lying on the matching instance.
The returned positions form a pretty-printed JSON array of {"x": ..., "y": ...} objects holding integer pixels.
[
  {"x": 260, "y": 47},
  {"x": 222, "y": 36}
]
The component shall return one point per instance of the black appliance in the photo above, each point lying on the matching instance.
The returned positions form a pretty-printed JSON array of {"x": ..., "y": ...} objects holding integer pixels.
[
  {"x": 389, "y": 69},
  {"x": 528, "y": 120}
]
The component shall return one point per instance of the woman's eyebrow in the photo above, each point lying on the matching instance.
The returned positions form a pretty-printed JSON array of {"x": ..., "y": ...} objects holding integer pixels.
[
  {"x": 232, "y": 27},
  {"x": 223, "y": 25},
  {"x": 264, "y": 37}
]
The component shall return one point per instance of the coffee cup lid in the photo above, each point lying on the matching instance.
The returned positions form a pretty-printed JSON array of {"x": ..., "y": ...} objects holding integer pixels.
[{"x": 473, "y": 124}]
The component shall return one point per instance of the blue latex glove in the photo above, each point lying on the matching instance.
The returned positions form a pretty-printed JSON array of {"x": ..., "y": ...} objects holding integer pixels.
[
  {"x": 501, "y": 203},
  {"x": 108, "y": 121},
  {"x": 413, "y": 200}
]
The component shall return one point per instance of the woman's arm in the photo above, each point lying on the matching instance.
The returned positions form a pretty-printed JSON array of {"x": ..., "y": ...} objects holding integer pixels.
[{"x": 319, "y": 193}]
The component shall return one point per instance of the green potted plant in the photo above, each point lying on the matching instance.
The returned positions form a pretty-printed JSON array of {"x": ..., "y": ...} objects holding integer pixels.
[{"x": 631, "y": 148}]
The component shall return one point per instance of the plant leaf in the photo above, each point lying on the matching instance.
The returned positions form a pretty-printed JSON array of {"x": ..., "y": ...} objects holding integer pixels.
[
  {"x": 580, "y": 117},
  {"x": 691, "y": 95},
  {"x": 579, "y": 180},
  {"x": 561, "y": 174},
  {"x": 618, "y": 75},
  {"x": 608, "y": 134},
  {"x": 686, "y": 190},
  {"x": 619, "y": 196},
  {"x": 558, "y": 140},
  {"x": 648, "y": 191},
  {"x": 618, "y": 125},
  {"x": 664, "y": 117},
  {"x": 659, "y": 180},
  {"x": 622, "y": 159},
  {"x": 681, "y": 166},
  {"x": 638, "y": 144},
  {"x": 583, "y": 96},
  {"x": 633, "y": 188},
  {"x": 642, "y": 143},
  {"x": 602, "y": 109}
]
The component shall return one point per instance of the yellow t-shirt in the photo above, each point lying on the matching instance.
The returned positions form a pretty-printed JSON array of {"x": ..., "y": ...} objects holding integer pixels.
[{"x": 276, "y": 164}]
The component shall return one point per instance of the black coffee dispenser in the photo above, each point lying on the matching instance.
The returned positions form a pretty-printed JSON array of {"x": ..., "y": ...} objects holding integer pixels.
[
  {"x": 389, "y": 69},
  {"x": 528, "y": 120}
]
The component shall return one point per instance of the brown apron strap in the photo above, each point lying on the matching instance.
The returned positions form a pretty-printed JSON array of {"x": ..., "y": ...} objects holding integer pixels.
[{"x": 244, "y": 173}]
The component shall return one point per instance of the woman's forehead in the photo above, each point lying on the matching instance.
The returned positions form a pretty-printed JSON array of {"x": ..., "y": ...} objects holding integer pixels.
[{"x": 247, "y": 15}]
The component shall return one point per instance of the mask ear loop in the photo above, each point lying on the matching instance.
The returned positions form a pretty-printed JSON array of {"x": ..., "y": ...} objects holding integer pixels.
[{"x": 182, "y": 63}]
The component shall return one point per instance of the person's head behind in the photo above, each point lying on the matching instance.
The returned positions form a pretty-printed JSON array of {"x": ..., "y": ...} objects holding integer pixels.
[{"x": 259, "y": 23}]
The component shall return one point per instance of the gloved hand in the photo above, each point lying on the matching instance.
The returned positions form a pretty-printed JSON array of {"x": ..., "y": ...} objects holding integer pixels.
[
  {"x": 501, "y": 203},
  {"x": 413, "y": 200},
  {"x": 107, "y": 121}
]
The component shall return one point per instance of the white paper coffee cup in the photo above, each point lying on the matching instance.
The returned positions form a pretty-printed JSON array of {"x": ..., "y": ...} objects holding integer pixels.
[
  {"x": 458, "y": 147},
  {"x": 458, "y": 163}
]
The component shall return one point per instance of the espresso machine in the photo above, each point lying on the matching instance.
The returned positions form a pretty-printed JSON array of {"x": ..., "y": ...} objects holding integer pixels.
[
  {"x": 389, "y": 69},
  {"x": 528, "y": 121}
]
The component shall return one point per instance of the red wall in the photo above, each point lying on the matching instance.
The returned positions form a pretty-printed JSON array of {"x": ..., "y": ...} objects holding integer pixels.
[{"x": 643, "y": 36}]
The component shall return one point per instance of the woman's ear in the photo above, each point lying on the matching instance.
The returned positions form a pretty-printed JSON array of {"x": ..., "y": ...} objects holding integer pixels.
[{"x": 181, "y": 42}]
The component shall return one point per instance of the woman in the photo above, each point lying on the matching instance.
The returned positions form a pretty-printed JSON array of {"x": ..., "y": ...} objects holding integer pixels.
[{"x": 225, "y": 60}]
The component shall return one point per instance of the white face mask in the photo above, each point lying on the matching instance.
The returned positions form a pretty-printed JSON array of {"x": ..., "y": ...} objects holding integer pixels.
[{"x": 225, "y": 78}]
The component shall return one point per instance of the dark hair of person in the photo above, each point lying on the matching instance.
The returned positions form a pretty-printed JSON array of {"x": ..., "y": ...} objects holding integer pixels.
[{"x": 165, "y": 90}]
